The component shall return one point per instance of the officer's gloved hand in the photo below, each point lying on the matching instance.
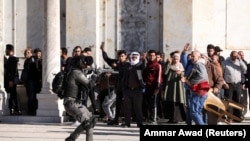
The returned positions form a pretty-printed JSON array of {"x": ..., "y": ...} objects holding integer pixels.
[
  {"x": 91, "y": 83},
  {"x": 142, "y": 84},
  {"x": 89, "y": 71}
]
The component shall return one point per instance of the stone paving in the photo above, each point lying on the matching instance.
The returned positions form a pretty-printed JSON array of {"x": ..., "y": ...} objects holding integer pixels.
[{"x": 58, "y": 132}]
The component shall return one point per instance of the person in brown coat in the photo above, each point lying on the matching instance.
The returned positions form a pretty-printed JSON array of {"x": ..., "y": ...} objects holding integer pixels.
[{"x": 216, "y": 82}]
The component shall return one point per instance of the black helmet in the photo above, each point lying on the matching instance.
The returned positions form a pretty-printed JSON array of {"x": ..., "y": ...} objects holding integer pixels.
[
  {"x": 87, "y": 60},
  {"x": 77, "y": 61}
]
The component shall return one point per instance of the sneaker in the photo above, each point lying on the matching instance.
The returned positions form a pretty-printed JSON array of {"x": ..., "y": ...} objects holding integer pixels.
[
  {"x": 125, "y": 125},
  {"x": 69, "y": 139},
  {"x": 219, "y": 123},
  {"x": 76, "y": 123},
  {"x": 105, "y": 118},
  {"x": 153, "y": 123},
  {"x": 113, "y": 122}
]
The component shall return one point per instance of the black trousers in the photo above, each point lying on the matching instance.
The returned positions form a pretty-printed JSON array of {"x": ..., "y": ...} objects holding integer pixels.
[
  {"x": 150, "y": 105},
  {"x": 133, "y": 103},
  {"x": 234, "y": 93},
  {"x": 32, "y": 88},
  {"x": 13, "y": 101},
  {"x": 119, "y": 96}
]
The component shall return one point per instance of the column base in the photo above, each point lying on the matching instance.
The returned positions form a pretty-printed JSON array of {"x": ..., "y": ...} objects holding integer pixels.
[
  {"x": 3, "y": 104},
  {"x": 50, "y": 107}
]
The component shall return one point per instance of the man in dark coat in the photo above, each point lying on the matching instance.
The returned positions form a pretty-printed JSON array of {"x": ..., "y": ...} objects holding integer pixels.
[{"x": 11, "y": 79}]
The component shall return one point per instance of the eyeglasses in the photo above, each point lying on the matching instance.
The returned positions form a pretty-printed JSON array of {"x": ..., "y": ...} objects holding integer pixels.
[{"x": 77, "y": 51}]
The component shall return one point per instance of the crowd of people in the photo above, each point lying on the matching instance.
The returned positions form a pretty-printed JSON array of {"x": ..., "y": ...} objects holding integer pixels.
[
  {"x": 149, "y": 87},
  {"x": 142, "y": 87}
]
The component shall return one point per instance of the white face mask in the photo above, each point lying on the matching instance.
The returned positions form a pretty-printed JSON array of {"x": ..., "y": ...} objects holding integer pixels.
[{"x": 134, "y": 61}]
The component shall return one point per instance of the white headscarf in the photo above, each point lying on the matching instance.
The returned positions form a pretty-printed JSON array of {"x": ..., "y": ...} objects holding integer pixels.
[
  {"x": 176, "y": 55},
  {"x": 137, "y": 60}
]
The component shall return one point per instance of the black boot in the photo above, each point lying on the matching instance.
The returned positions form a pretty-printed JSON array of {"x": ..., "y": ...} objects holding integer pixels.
[
  {"x": 89, "y": 134},
  {"x": 69, "y": 139},
  {"x": 89, "y": 125},
  {"x": 17, "y": 112},
  {"x": 73, "y": 136}
]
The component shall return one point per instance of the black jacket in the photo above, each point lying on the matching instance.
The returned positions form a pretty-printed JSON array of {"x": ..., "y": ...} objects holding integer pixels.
[
  {"x": 10, "y": 68},
  {"x": 33, "y": 66},
  {"x": 132, "y": 69},
  {"x": 122, "y": 68},
  {"x": 108, "y": 60}
]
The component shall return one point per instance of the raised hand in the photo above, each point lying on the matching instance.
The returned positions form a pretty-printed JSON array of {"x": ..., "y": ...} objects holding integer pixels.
[
  {"x": 186, "y": 47},
  {"x": 102, "y": 46},
  {"x": 169, "y": 60}
]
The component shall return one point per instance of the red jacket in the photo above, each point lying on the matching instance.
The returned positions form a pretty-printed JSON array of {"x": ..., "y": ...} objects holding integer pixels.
[{"x": 152, "y": 74}]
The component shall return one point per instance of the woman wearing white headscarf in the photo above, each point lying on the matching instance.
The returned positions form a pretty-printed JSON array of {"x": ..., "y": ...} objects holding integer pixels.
[{"x": 174, "y": 94}]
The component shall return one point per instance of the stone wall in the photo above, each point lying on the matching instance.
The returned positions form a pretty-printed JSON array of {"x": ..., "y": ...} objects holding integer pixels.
[
  {"x": 168, "y": 24},
  {"x": 223, "y": 23}
]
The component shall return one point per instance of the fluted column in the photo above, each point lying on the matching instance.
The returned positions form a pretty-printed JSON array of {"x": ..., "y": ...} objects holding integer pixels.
[
  {"x": 3, "y": 95},
  {"x": 49, "y": 105},
  {"x": 51, "y": 51}
]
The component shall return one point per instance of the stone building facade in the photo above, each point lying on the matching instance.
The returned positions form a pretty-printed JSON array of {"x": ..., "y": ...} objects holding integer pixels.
[{"x": 133, "y": 25}]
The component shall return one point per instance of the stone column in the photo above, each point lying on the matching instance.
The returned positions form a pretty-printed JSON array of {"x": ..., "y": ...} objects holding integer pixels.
[
  {"x": 100, "y": 31},
  {"x": 110, "y": 37},
  {"x": 49, "y": 106},
  {"x": 3, "y": 95}
]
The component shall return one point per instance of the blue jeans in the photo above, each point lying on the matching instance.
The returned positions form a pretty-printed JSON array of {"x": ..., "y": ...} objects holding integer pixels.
[{"x": 194, "y": 108}]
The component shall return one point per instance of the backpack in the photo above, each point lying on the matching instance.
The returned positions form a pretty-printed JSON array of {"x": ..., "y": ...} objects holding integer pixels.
[{"x": 58, "y": 84}]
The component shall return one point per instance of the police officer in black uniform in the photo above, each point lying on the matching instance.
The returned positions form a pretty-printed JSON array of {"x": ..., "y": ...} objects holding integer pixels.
[{"x": 72, "y": 99}]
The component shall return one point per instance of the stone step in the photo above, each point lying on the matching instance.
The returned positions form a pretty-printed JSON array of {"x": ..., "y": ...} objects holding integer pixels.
[{"x": 25, "y": 119}]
